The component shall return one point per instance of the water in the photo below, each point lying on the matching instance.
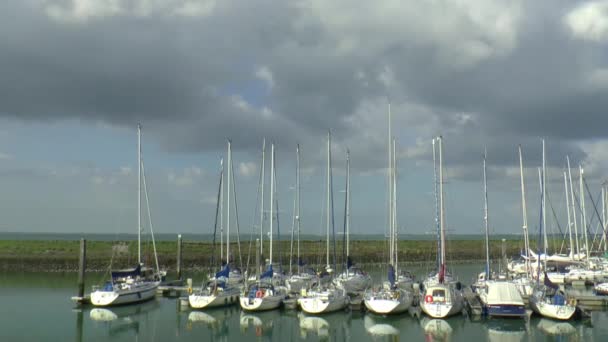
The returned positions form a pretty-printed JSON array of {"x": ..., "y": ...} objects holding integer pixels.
[{"x": 36, "y": 307}]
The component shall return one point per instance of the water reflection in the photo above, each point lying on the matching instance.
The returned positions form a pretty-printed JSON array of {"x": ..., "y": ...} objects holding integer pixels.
[
  {"x": 216, "y": 320},
  {"x": 123, "y": 319},
  {"x": 506, "y": 330},
  {"x": 555, "y": 328},
  {"x": 436, "y": 329},
  {"x": 336, "y": 325},
  {"x": 379, "y": 327},
  {"x": 261, "y": 322}
]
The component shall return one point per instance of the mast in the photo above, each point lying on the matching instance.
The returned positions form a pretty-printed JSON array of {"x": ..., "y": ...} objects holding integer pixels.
[
  {"x": 524, "y": 211},
  {"x": 298, "y": 199},
  {"x": 485, "y": 216},
  {"x": 228, "y": 202},
  {"x": 395, "y": 236},
  {"x": 347, "y": 203},
  {"x": 271, "y": 197},
  {"x": 390, "y": 188},
  {"x": 544, "y": 190},
  {"x": 441, "y": 208},
  {"x": 262, "y": 204},
  {"x": 328, "y": 198},
  {"x": 572, "y": 203},
  {"x": 540, "y": 231},
  {"x": 139, "y": 194},
  {"x": 436, "y": 206},
  {"x": 568, "y": 216},
  {"x": 584, "y": 214},
  {"x": 604, "y": 215}
]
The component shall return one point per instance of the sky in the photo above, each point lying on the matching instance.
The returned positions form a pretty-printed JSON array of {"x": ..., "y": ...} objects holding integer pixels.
[{"x": 79, "y": 75}]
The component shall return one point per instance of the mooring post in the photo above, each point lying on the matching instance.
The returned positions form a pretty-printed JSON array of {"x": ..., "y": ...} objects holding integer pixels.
[
  {"x": 82, "y": 265},
  {"x": 179, "y": 256}
]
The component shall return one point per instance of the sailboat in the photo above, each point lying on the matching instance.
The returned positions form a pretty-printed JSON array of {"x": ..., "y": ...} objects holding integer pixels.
[
  {"x": 500, "y": 298},
  {"x": 353, "y": 279},
  {"x": 442, "y": 296},
  {"x": 325, "y": 297},
  {"x": 390, "y": 298},
  {"x": 139, "y": 283},
  {"x": 547, "y": 299},
  {"x": 263, "y": 294},
  {"x": 304, "y": 277},
  {"x": 223, "y": 288}
]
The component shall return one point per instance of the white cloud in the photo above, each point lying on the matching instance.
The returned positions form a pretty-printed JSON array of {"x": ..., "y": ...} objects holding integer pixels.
[
  {"x": 247, "y": 169},
  {"x": 84, "y": 10},
  {"x": 463, "y": 32},
  {"x": 265, "y": 74},
  {"x": 589, "y": 21}
]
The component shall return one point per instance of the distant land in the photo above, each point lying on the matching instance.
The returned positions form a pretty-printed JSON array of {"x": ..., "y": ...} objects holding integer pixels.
[{"x": 244, "y": 237}]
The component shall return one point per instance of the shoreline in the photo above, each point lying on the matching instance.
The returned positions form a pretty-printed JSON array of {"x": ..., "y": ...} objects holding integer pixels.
[{"x": 62, "y": 255}]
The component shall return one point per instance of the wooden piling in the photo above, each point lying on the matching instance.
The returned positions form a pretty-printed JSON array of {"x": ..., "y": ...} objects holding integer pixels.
[
  {"x": 179, "y": 256},
  {"x": 82, "y": 265}
]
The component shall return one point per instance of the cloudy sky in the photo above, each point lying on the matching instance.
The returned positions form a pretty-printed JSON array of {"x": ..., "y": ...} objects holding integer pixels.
[{"x": 78, "y": 75}]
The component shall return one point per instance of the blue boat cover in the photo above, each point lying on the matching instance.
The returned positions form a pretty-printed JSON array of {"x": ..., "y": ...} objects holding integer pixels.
[
  {"x": 268, "y": 273},
  {"x": 391, "y": 275},
  {"x": 223, "y": 273}
]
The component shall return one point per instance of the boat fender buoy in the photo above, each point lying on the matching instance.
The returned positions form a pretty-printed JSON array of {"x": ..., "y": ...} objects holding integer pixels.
[
  {"x": 428, "y": 299},
  {"x": 259, "y": 294}
]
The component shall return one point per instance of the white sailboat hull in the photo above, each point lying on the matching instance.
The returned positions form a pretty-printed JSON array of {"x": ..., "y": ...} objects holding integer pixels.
[
  {"x": 224, "y": 298},
  {"x": 560, "y": 312},
  {"x": 388, "y": 306},
  {"x": 140, "y": 293},
  {"x": 322, "y": 303},
  {"x": 261, "y": 304},
  {"x": 441, "y": 301}
]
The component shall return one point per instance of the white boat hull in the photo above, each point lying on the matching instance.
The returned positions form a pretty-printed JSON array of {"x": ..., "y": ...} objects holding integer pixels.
[
  {"x": 261, "y": 304},
  {"x": 202, "y": 301},
  {"x": 385, "y": 305},
  {"x": 323, "y": 304},
  {"x": 560, "y": 312},
  {"x": 137, "y": 294}
]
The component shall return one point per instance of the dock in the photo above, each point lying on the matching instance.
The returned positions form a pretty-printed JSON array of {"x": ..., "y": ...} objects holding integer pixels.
[{"x": 472, "y": 303}]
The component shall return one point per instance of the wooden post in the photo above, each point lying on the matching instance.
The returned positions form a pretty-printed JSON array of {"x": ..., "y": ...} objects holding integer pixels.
[
  {"x": 82, "y": 265},
  {"x": 179, "y": 256}
]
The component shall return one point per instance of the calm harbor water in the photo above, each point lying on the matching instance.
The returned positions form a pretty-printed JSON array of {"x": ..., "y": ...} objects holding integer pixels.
[{"x": 37, "y": 307}]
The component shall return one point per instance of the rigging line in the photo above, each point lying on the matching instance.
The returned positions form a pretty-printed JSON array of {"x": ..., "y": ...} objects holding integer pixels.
[
  {"x": 143, "y": 173},
  {"x": 276, "y": 201},
  {"x": 559, "y": 227},
  {"x": 217, "y": 210},
  {"x": 236, "y": 212},
  {"x": 257, "y": 197},
  {"x": 599, "y": 217}
]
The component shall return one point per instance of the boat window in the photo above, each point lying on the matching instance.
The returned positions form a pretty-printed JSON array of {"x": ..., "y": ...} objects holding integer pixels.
[{"x": 438, "y": 295}]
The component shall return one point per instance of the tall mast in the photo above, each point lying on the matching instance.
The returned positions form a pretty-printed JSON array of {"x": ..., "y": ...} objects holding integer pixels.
[
  {"x": 436, "y": 205},
  {"x": 584, "y": 214},
  {"x": 441, "y": 207},
  {"x": 395, "y": 249},
  {"x": 544, "y": 190},
  {"x": 540, "y": 231},
  {"x": 298, "y": 199},
  {"x": 347, "y": 203},
  {"x": 524, "y": 211},
  {"x": 228, "y": 202},
  {"x": 222, "y": 181},
  {"x": 271, "y": 197},
  {"x": 485, "y": 216},
  {"x": 604, "y": 216},
  {"x": 139, "y": 194},
  {"x": 568, "y": 216},
  {"x": 390, "y": 188},
  {"x": 262, "y": 204},
  {"x": 328, "y": 197},
  {"x": 572, "y": 203}
]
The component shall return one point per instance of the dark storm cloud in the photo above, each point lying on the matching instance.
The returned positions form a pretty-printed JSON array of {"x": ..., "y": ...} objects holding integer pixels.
[{"x": 511, "y": 79}]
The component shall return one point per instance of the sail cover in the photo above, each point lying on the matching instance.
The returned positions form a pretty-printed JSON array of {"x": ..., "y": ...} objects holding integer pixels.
[{"x": 268, "y": 273}]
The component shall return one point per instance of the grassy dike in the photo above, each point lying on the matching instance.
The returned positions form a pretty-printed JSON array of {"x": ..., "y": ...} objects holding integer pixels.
[{"x": 62, "y": 256}]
